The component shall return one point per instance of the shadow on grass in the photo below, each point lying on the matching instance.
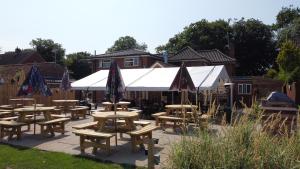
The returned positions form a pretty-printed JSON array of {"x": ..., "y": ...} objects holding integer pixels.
[{"x": 90, "y": 158}]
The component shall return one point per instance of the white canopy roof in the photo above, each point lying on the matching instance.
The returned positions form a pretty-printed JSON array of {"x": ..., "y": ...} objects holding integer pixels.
[{"x": 155, "y": 79}]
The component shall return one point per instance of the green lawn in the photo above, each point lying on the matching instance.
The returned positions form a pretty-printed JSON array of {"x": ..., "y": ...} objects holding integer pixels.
[{"x": 20, "y": 158}]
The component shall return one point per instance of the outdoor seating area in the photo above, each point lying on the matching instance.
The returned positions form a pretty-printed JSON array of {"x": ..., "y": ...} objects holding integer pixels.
[{"x": 113, "y": 130}]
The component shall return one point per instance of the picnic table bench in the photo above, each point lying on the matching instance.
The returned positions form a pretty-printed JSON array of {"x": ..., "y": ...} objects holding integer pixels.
[
  {"x": 79, "y": 111},
  {"x": 136, "y": 122},
  {"x": 6, "y": 114},
  {"x": 177, "y": 121},
  {"x": 56, "y": 125},
  {"x": 156, "y": 115},
  {"x": 89, "y": 125},
  {"x": 91, "y": 138},
  {"x": 10, "y": 128},
  {"x": 140, "y": 136}
]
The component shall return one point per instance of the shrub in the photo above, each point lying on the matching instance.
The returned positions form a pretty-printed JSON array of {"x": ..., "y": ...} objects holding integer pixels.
[{"x": 242, "y": 145}]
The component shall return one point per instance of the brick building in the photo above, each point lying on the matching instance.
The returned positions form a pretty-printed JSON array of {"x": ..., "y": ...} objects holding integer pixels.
[
  {"x": 248, "y": 88},
  {"x": 126, "y": 59}
]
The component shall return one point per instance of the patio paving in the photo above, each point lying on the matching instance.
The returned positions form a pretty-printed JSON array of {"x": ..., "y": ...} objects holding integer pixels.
[{"x": 69, "y": 143}]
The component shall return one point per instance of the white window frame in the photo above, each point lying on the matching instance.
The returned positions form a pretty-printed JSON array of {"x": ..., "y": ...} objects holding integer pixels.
[
  {"x": 104, "y": 63},
  {"x": 243, "y": 88},
  {"x": 131, "y": 61}
]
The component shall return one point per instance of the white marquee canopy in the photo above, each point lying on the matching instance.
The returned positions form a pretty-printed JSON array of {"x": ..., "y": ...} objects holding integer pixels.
[{"x": 156, "y": 79}]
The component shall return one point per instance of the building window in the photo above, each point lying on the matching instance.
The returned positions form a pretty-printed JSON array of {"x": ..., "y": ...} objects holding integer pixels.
[
  {"x": 104, "y": 63},
  {"x": 129, "y": 62},
  {"x": 244, "y": 88}
]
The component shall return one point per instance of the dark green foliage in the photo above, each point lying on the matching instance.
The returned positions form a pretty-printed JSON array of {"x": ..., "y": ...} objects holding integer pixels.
[
  {"x": 254, "y": 47},
  {"x": 78, "y": 67},
  {"x": 126, "y": 42},
  {"x": 253, "y": 42},
  {"x": 286, "y": 16},
  {"x": 200, "y": 35},
  {"x": 49, "y": 50}
]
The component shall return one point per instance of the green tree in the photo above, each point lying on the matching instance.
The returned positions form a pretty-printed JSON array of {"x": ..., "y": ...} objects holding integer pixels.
[
  {"x": 255, "y": 47},
  {"x": 288, "y": 61},
  {"x": 78, "y": 66},
  {"x": 254, "y": 44},
  {"x": 288, "y": 25},
  {"x": 49, "y": 50},
  {"x": 199, "y": 35},
  {"x": 126, "y": 42},
  {"x": 286, "y": 16}
]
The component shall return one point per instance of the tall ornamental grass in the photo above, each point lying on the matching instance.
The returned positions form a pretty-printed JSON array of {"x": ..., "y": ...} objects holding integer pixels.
[{"x": 242, "y": 145}]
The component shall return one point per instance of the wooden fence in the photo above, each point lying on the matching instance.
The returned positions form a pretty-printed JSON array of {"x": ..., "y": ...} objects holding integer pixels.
[{"x": 9, "y": 91}]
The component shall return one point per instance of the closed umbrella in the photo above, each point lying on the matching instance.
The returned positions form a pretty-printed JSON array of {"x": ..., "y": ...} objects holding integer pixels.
[
  {"x": 34, "y": 83},
  {"x": 65, "y": 84},
  {"x": 182, "y": 82},
  {"x": 114, "y": 87}
]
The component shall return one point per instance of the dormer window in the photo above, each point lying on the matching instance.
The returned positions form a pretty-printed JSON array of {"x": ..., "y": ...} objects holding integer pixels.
[
  {"x": 132, "y": 61},
  {"x": 104, "y": 63}
]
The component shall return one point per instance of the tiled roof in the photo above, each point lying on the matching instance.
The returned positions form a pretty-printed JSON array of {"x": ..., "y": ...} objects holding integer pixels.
[
  {"x": 188, "y": 53},
  {"x": 50, "y": 70},
  {"x": 16, "y": 57},
  {"x": 209, "y": 56},
  {"x": 216, "y": 56},
  {"x": 129, "y": 52}
]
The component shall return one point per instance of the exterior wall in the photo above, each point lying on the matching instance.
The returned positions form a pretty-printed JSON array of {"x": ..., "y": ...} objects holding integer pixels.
[
  {"x": 261, "y": 87},
  {"x": 144, "y": 62},
  {"x": 293, "y": 91}
]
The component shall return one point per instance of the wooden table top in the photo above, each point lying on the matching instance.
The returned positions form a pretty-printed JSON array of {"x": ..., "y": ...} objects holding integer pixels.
[
  {"x": 119, "y": 103},
  {"x": 22, "y": 99},
  {"x": 111, "y": 114},
  {"x": 3, "y": 110},
  {"x": 179, "y": 106},
  {"x": 37, "y": 105},
  {"x": 65, "y": 101},
  {"x": 32, "y": 109}
]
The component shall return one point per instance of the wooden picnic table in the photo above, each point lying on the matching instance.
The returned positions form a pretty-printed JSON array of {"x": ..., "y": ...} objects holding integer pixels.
[
  {"x": 128, "y": 116},
  {"x": 9, "y": 107},
  {"x": 22, "y": 101},
  {"x": 177, "y": 108},
  {"x": 108, "y": 106},
  {"x": 65, "y": 104},
  {"x": 34, "y": 110}
]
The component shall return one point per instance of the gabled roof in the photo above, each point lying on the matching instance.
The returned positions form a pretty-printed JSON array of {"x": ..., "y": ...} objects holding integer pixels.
[
  {"x": 161, "y": 64},
  {"x": 121, "y": 53},
  {"x": 188, "y": 53},
  {"x": 213, "y": 56},
  {"x": 17, "y": 57},
  {"x": 216, "y": 56}
]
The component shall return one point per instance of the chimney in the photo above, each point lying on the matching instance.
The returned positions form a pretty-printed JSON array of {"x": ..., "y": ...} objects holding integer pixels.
[
  {"x": 165, "y": 56},
  {"x": 18, "y": 50},
  {"x": 231, "y": 52},
  {"x": 95, "y": 52}
]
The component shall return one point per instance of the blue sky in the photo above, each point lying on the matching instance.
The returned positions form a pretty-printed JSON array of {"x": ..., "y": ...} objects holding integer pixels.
[{"x": 88, "y": 25}]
